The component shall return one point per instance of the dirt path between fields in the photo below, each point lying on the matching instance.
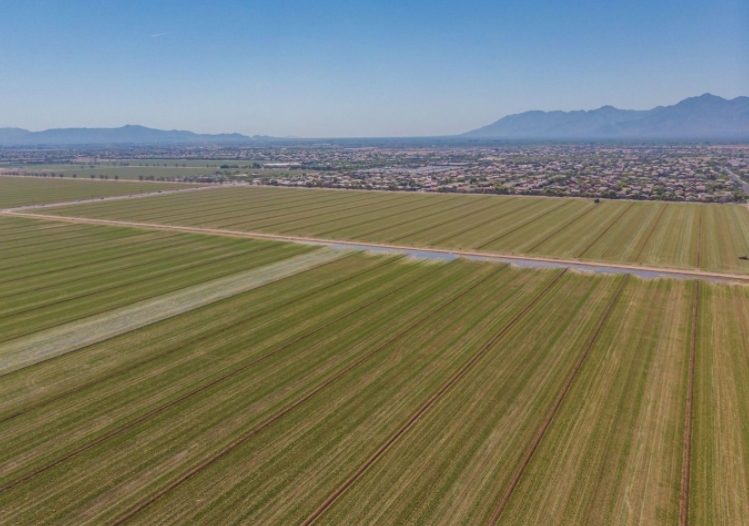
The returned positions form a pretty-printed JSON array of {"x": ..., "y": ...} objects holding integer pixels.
[
  {"x": 68, "y": 337},
  {"x": 134, "y": 195},
  {"x": 428, "y": 253}
]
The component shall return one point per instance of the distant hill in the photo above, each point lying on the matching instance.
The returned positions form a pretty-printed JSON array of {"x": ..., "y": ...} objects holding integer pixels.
[
  {"x": 114, "y": 136},
  {"x": 704, "y": 117}
]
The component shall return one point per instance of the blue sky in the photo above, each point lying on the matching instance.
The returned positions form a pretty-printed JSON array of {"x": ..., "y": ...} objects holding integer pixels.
[{"x": 330, "y": 68}]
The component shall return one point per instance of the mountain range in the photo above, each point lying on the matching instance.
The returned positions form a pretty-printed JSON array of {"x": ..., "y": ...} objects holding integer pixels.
[
  {"x": 703, "y": 117},
  {"x": 115, "y": 136}
]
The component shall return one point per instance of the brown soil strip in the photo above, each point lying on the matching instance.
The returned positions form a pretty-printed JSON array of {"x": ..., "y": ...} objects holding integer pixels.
[
  {"x": 497, "y": 238},
  {"x": 560, "y": 229},
  {"x": 650, "y": 234},
  {"x": 615, "y": 221},
  {"x": 664, "y": 272},
  {"x": 424, "y": 408},
  {"x": 686, "y": 464},
  {"x": 196, "y": 391},
  {"x": 557, "y": 404},
  {"x": 296, "y": 404}
]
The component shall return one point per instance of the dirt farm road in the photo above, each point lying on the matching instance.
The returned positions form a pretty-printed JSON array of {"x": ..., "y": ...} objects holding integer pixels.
[{"x": 430, "y": 253}]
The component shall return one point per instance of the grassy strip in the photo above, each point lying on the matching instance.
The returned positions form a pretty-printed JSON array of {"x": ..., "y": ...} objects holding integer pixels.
[
  {"x": 522, "y": 225},
  {"x": 650, "y": 233},
  {"x": 482, "y": 222},
  {"x": 309, "y": 210},
  {"x": 300, "y": 216},
  {"x": 227, "y": 197},
  {"x": 232, "y": 210}
]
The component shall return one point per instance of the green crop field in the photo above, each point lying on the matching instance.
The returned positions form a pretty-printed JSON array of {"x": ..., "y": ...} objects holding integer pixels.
[
  {"x": 160, "y": 169},
  {"x": 151, "y": 376},
  {"x": 24, "y": 191},
  {"x": 674, "y": 235}
]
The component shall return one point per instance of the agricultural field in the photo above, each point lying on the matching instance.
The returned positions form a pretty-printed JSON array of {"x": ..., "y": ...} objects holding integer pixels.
[
  {"x": 24, "y": 191},
  {"x": 158, "y": 169},
  {"x": 655, "y": 234},
  {"x": 154, "y": 377}
]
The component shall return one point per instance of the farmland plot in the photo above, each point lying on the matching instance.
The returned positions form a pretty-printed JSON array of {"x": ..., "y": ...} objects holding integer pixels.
[
  {"x": 408, "y": 214},
  {"x": 720, "y": 443},
  {"x": 725, "y": 238},
  {"x": 675, "y": 241},
  {"x": 105, "y": 270},
  {"x": 345, "y": 423},
  {"x": 323, "y": 348},
  {"x": 215, "y": 405},
  {"x": 272, "y": 383},
  {"x": 573, "y": 240},
  {"x": 23, "y": 191},
  {"x": 533, "y": 233},
  {"x": 659, "y": 234},
  {"x": 388, "y": 228},
  {"x": 613, "y": 453},
  {"x": 456, "y": 462},
  {"x": 628, "y": 236}
]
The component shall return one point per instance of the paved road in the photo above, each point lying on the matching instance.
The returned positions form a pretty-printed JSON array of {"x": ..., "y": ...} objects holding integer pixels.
[{"x": 744, "y": 184}]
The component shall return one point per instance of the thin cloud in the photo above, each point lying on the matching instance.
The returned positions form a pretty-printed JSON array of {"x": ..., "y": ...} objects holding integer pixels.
[{"x": 158, "y": 35}]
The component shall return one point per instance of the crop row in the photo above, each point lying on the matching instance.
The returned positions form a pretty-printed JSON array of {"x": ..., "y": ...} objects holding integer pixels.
[{"x": 677, "y": 235}]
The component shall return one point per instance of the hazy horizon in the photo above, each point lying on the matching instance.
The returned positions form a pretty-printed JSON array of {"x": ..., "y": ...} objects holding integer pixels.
[{"x": 338, "y": 69}]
